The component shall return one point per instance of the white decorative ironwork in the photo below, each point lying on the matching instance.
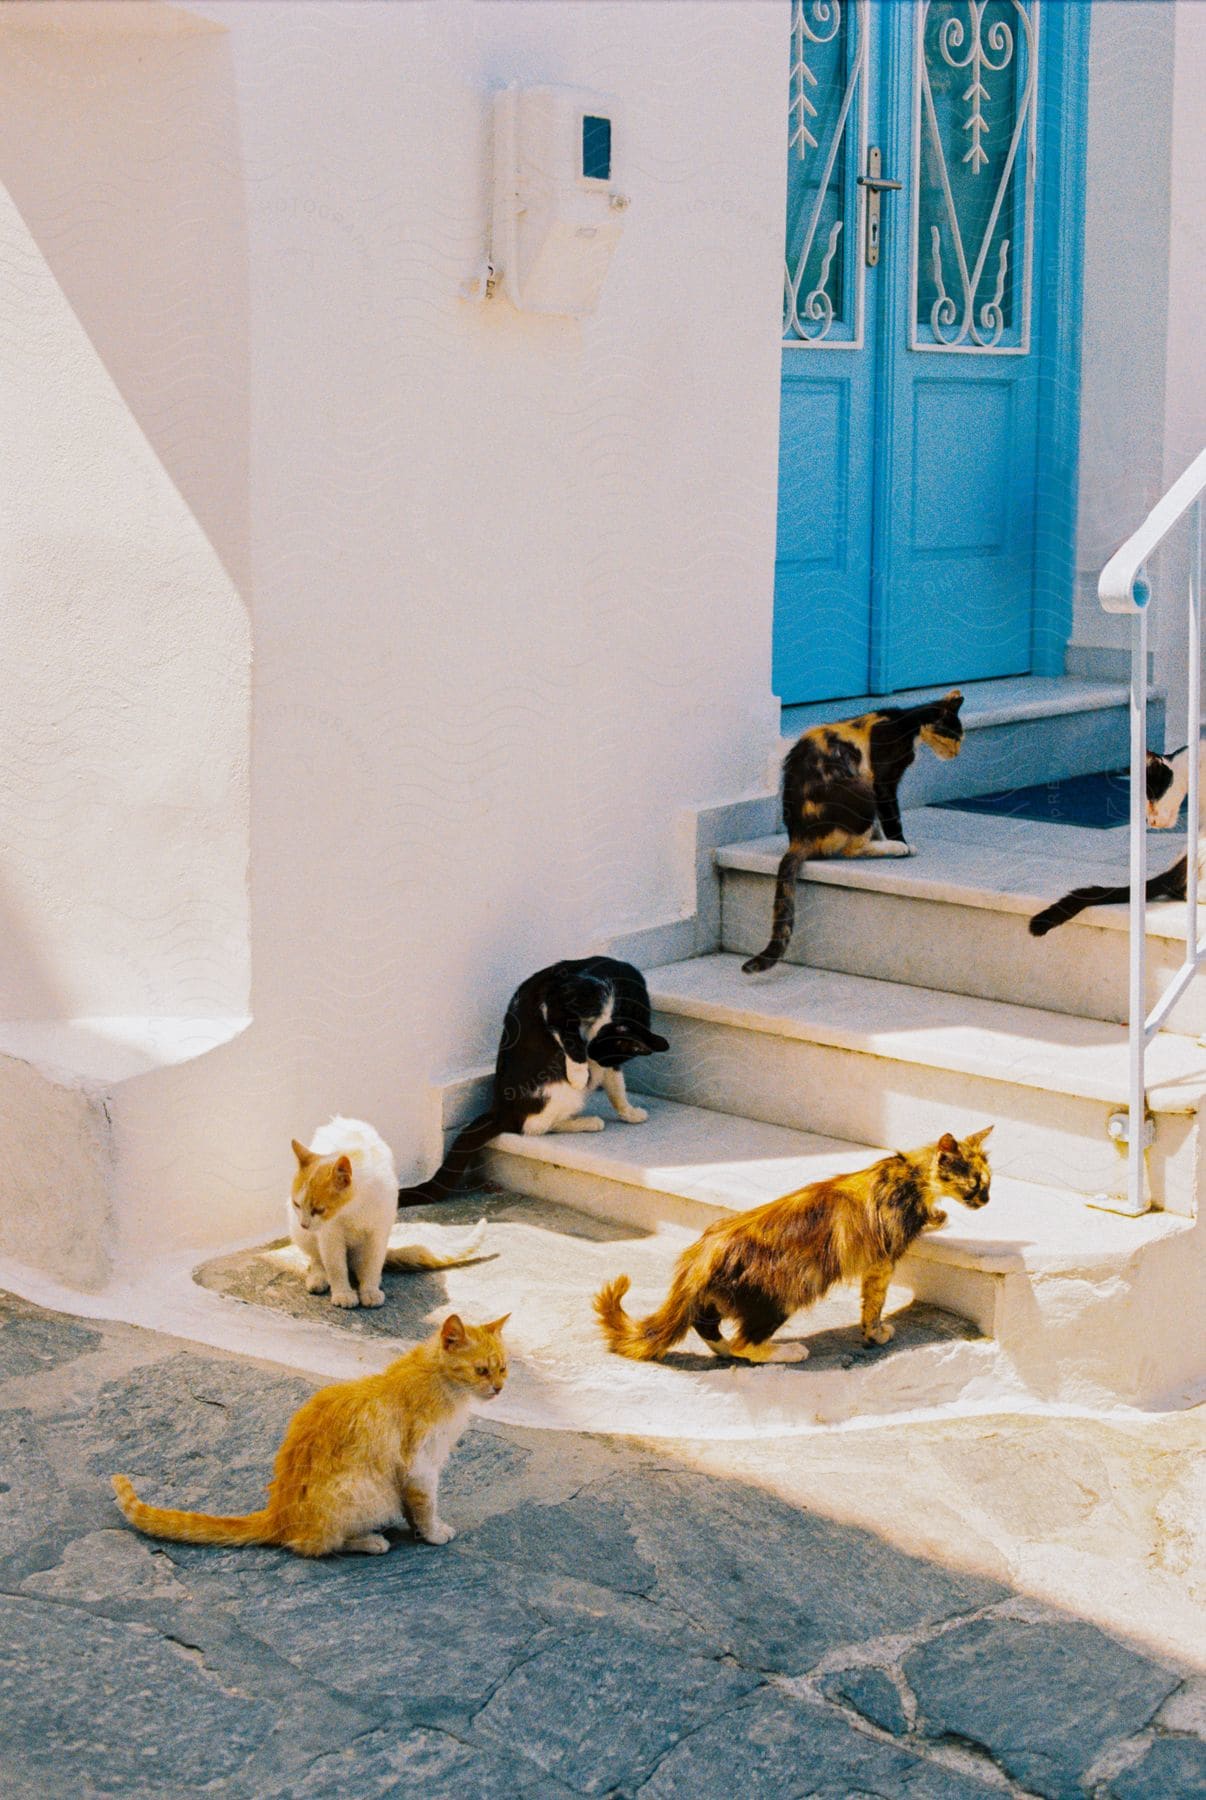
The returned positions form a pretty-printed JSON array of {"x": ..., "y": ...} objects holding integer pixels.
[
  {"x": 969, "y": 323},
  {"x": 808, "y": 318},
  {"x": 818, "y": 307},
  {"x": 801, "y": 108},
  {"x": 998, "y": 38}
]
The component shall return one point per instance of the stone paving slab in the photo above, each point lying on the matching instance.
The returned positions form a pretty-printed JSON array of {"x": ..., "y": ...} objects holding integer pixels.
[
  {"x": 1059, "y": 1692},
  {"x": 614, "y": 1618}
]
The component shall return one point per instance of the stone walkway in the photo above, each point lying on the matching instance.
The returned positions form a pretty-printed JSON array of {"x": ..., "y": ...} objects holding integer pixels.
[{"x": 864, "y": 1613}]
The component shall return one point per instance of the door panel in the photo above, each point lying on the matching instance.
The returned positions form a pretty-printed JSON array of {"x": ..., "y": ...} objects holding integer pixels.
[
  {"x": 823, "y": 571},
  {"x": 950, "y": 421}
]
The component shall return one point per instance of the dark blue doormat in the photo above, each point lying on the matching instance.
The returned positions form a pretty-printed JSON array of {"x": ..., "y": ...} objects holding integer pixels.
[{"x": 1097, "y": 802}]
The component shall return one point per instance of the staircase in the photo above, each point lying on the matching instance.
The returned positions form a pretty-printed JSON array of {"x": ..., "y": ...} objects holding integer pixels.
[{"x": 915, "y": 1002}]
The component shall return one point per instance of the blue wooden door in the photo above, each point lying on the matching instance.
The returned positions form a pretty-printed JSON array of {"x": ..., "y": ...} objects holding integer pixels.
[{"x": 912, "y": 427}]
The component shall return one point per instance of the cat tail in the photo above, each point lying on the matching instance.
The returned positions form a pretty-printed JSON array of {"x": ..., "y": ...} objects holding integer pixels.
[
  {"x": 1168, "y": 886},
  {"x": 418, "y": 1256},
  {"x": 645, "y": 1340},
  {"x": 191, "y": 1527},
  {"x": 458, "y": 1167},
  {"x": 784, "y": 917}
]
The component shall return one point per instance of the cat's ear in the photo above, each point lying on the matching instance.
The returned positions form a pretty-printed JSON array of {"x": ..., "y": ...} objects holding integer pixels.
[
  {"x": 978, "y": 1137},
  {"x": 343, "y": 1172},
  {"x": 452, "y": 1333},
  {"x": 953, "y": 701},
  {"x": 304, "y": 1157},
  {"x": 496, "y": 1325},
  {"x": 947, "y": 1145}
]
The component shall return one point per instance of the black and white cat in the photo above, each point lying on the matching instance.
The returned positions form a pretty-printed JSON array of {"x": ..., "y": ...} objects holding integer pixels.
[
  {"x": 1166, "y": 783},
  {"x": 569, "y": 1029}
]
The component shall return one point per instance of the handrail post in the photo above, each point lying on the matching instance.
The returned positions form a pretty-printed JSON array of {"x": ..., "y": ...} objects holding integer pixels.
[
  {"x": 1136, "y": 1086},
  {"x": 1123, "y": 588}
]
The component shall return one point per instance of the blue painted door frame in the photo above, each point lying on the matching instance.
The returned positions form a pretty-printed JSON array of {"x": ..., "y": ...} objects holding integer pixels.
[{"x": 928, "y": 439}]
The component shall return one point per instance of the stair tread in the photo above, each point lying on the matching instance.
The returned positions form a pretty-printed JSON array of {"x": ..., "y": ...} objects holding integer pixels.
[
  {"x": 735, "y": 1163},
  {"x": 986, "y": 861},
  {"x": 1001, "y": 700},
  {"x": 995, "y": 1039}
]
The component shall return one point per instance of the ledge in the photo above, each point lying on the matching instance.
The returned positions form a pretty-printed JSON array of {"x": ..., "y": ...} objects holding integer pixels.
[{"x": 103, "y": 1051}]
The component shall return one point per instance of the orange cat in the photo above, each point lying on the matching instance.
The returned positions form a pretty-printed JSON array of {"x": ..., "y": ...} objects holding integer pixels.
[{"x": 359, "y": 1456}]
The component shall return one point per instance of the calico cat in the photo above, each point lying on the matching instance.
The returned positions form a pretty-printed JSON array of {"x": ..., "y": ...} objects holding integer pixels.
[
  {"x": 341, "y": 1211},
  {"x": 840, "y": 784},
  {"x": 359, "y": 1456},
  {"x": 1166, "y": 784},
  {"x": 568, "y": 1030},
  {"x": 758, "y": 1267}
]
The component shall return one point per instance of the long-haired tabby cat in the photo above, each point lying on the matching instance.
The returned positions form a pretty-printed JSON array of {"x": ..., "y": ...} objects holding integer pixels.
[
  {"x": 342, "y": 1208},
  {"x": 840, "y": 787},
  {"x": 759, "y": 1267},
  {"x": 358, "y": 1457},
  {"x": 1166, "y": 784},
  {"x": 568, "y": 1030}
]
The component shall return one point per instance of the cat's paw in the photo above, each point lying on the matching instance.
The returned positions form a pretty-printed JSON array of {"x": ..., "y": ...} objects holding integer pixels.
[
  {"x": 634, "y": 1115},
  {"x": 788, "y": 1353},
  {"x": 372, "y": 1296},
  {"x": 894, "y": 847},
  {"x": 879, "y": 1334},
  {"x": 936, "y": 1220},
  {"x": 439, "y": 1533},
  {"x": 577, "y": 1074},
  {"x": 590, "y": 1122},
  {"x": 370, "y": 1543},
  {"x": 316, "y": 1283},
  {"x": 350, "y": 1298}
]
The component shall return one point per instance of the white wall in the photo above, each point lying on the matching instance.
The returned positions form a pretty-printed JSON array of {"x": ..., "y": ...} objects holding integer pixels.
[
  {"x": 1185, "y": 416},
  {"x": 509, "y": 578},
  {"x": 1126, "y": 272},
  {"x": 1144, "y": 363},
  {"x": 124, "y": 810},
  {"x": 1185, "y": 378}
]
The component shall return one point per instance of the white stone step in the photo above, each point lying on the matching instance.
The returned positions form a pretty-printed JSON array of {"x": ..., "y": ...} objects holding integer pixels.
[
  {"x": 1034, "y": 1254},
  {"x": 955, "y": 915},
  {"x": 882, "y": 1062},
  {"x": 705, "y": 1163}
]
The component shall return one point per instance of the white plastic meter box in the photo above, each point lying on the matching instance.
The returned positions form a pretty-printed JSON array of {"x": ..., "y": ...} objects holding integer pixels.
[{"x": 557, "y": 211}]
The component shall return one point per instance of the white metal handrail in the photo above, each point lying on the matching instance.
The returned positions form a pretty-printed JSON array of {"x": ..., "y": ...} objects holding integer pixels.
[{"x": 1124, "y": 588}]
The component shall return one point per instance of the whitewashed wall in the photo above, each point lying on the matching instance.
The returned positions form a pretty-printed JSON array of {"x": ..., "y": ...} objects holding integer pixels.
[
  {"x": 1144, "y": 367},
  {"x": 1185, "y": 361},
  {"x": 508, "y": 579},
  {"x": 125, "y": 715}
]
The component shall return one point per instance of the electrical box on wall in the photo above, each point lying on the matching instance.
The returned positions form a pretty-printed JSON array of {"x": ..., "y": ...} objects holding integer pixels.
[{"x": 557, "y": 210}]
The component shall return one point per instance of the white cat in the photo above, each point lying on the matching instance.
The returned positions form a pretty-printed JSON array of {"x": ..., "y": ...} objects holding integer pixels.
[{"x": 342, "y": 1208}]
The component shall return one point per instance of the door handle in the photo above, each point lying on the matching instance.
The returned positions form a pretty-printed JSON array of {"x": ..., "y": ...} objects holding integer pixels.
[{"x": 874, "y": 184}]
